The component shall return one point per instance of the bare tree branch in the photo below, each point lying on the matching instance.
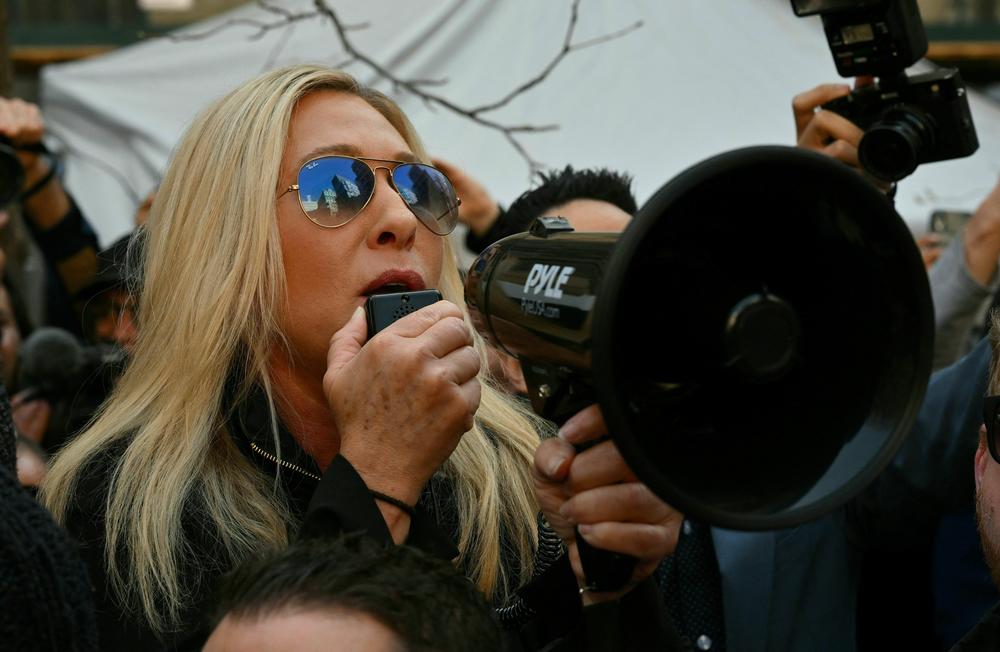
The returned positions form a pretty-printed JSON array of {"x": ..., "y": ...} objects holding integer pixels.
[
  {"x": 272, "y": 57},
  {"x": 285, "y": 18},
  {"x": 568, "y": 46},
  {"x": 419, "y": 87}
]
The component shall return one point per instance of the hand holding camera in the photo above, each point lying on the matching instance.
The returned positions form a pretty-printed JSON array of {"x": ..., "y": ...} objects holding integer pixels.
[
  {"x": 21, "y": 127},
  {"x": 825, "y": 131},
  {"x": 905, "y": 120}
]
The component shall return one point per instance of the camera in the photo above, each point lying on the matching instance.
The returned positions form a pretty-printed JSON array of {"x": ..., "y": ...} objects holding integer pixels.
[
  {"x": 925, "y": 119},
  {"x": 907, "y": 120}
]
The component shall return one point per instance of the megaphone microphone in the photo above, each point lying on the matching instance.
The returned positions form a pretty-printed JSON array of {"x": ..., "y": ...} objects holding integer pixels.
[{"x": 759, "y": 338}]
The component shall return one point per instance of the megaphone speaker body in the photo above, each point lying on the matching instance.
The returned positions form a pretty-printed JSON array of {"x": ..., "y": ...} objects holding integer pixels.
[{"x": 759, "y": 338}]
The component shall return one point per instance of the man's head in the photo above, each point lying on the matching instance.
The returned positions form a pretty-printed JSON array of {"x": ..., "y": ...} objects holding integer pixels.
[
  {"x": 356, "y": 594},
  {"x": 987, "y": 472},
  {"x": 591, "y": 200},
  {"x": 595, "y": 200}
]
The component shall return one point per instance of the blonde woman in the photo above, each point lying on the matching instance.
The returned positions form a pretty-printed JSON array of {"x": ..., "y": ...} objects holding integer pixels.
[{"x": 254, "y": 406}]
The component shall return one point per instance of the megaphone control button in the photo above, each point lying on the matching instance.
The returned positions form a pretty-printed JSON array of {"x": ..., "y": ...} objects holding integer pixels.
[{"x": 704, "y": 643}]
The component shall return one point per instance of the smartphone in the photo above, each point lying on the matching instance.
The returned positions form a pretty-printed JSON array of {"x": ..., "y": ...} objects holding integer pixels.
[
  {"x": 384, "y": 309},
  {"x": 947, "y": 224}
]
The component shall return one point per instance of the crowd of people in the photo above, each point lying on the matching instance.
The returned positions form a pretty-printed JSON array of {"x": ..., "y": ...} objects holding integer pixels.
[{"x": 224, "y": 459}]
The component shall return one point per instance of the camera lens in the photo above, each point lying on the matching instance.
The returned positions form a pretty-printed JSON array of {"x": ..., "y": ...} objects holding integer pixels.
[
  {"x": 894, "y": 145},
  {"x": 11, "y": 174}
]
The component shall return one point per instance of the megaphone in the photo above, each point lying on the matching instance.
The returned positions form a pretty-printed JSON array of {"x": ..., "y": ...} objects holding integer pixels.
[{"x": 759, "y": 338}]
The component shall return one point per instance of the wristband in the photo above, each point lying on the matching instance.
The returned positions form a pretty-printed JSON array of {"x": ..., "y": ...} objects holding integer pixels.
[
  {"x": 41, "y": 183},
  {"x": 395, "y": 502}
]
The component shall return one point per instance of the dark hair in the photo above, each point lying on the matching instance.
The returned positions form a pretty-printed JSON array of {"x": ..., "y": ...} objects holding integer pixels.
[
  {"x": 562, "y": 186},
  {"x": 424, "y": 600}
]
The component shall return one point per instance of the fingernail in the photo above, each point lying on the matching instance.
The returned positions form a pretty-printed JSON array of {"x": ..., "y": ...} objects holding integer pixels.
[
  {"x": 553, "y": 468},
  {"x": 359, "y": 311},
  {"x": 585, "y": 529}
]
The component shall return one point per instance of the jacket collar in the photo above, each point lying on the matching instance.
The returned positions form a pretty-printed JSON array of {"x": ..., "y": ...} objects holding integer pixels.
[{"x": 253, "y": 430}]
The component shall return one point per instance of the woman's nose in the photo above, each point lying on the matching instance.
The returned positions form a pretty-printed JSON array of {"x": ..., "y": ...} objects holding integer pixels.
[{"x": 394, "y": 224}]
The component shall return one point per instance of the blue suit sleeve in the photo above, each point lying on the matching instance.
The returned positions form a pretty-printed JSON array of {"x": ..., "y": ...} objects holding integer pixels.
[{"x": 932, "y": 473}]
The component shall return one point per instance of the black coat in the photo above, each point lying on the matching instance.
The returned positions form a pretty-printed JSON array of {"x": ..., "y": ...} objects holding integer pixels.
[{"x": 546, "y": 614}]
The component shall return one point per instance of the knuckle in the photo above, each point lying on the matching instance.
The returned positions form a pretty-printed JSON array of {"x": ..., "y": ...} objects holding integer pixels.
[
  {"x": 448, "y": 309},
  {"x": 825, "y": 119},
  {"x": 424, "y": 349},
  {"x": 474, "y": 360},
  {"x": 438, "y": 378},
  {"x": 387, "y": 346},
  {"x": 663, "y": 540},
  {"x": 424, "y": 318},
  {"x": 457, "y": 327},
  {"x": 477, "y": 389},
  {"x": 635, "y": 493}
]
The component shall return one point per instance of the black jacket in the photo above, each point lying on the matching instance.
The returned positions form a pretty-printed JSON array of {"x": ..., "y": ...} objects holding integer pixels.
[{"x": 546, "y": 614}]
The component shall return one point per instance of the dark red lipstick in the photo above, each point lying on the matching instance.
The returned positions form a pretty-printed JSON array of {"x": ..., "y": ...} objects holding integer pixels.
[{"x": 395, "y": 280}]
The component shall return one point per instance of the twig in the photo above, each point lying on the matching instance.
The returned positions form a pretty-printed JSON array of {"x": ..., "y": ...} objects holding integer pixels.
[
  {"x": 508, "y": 131},
  {"x": 568, "y": 46},
  {"x": 272, "y": 57},
  {"x": 262, "y": 27},
  {"x": 418, "y": 87}
]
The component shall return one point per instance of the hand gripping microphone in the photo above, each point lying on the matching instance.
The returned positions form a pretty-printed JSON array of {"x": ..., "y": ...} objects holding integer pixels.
[{"x": 759, "y": 338}]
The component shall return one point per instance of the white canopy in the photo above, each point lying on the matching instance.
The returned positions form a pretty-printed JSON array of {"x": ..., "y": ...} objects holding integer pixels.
[{"x": 695, "y": 79}]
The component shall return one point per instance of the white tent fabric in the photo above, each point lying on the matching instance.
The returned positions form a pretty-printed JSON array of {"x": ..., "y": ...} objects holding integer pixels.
[{"x": 696, "y": 79}]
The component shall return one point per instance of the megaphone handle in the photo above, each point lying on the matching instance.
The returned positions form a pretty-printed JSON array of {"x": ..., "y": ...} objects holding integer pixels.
[{"x": 604, "y": 570}]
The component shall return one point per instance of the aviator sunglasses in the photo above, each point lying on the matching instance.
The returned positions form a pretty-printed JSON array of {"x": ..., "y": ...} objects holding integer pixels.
[{"x": 333, "y": 190}]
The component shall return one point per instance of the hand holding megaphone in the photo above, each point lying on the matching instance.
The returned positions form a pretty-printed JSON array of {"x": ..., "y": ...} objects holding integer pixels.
[
  {"x": 759, "y": 338},
  {"x": 593, "y": 494}
]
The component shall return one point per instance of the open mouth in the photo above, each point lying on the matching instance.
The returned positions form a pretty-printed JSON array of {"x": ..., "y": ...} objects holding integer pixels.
[
  {"x": 388, "y": 288},
  {"x": 394, "y": 280}
]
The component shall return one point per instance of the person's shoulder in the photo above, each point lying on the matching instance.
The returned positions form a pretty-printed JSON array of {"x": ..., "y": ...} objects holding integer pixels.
[{"x": 47, "y": 601}]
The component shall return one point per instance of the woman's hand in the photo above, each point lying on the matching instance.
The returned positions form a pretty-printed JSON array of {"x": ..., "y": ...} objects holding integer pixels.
[
  {"x": 596, "y": 491},
  {"x": 403, "y": 400}
]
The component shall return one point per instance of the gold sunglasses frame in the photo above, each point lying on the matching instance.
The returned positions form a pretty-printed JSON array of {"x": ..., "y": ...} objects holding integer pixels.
[{"x": 374, "y": 169}]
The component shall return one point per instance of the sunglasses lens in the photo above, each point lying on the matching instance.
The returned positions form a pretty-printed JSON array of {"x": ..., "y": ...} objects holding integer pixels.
[
  {"x": 334, "y": 189},
  {"x": 429, "y": 195}
]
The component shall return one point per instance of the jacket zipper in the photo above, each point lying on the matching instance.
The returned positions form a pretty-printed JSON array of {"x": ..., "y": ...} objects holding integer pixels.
[{"x": 288, "y": 465}]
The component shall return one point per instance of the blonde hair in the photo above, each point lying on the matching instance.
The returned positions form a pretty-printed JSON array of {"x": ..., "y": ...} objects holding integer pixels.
[{"x": 211, "y": 298}]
